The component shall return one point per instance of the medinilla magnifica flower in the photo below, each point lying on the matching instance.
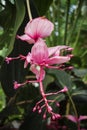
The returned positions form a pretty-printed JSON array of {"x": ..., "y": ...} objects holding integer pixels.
[{"x": 42, "y": 56}]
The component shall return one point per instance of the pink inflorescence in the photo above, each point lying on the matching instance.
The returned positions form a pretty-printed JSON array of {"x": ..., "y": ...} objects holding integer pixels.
[{"x": 42, "y": 57}]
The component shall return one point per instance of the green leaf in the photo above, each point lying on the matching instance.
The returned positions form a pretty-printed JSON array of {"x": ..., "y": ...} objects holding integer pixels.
[
  {"x": 3, "y": 51},
  {"x": 80, "y": 92},
  {"x": 80, "y": 72},
  {"x": 42, "y": 6},
  {"x": 33, "y": 121},
  {"x": 10, "y": 20},
  {"x": 76, "y": 61},
  {"x": 62, "y": 78},
  {"x": 48, "y": 79}
]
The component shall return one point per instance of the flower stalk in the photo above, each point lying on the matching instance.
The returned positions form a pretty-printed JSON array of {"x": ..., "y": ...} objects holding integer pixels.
[{"x": 28, "y": 9}]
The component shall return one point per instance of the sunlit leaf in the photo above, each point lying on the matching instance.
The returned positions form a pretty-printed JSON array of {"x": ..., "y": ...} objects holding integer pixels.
[{"x": 10, "y": 20}]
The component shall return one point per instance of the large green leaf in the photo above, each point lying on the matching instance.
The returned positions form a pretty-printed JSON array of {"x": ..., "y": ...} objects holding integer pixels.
[
  {"x": 10, "y": 20},
  {"x": 62, "y": 78},
  {"x": 80, "y": 72},
  {"x": 33, "y": 121},
  {"x": 42, "y": 6}
]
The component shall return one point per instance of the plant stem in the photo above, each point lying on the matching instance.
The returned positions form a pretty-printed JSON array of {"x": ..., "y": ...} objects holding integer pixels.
[
  {"x": 75, "y": 111},
  {"x": 67, "y": 108},
  {"x": 74, "y": 108},
  {"x": 75, "y": 23},
  {"x": 78, "y": 34},
  {"x": 66, "y": 24},
  {"x": 28, "y": 9},
  {"x": 59, "y": 22}
]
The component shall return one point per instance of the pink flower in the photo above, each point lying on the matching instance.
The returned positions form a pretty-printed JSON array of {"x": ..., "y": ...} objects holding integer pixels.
[
  {"x": 41, "y": 56},
  {"x": 37, "y": 28}
]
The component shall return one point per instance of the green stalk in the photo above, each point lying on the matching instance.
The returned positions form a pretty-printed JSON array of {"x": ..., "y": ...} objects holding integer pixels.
[
  {"x": 74, "y": 108},
  {"x": 75, "y": 22},
  {"x": 73, "y": 105},
  {"x": 78, "y": 34},
  {"x": 67, "y": 108},
  {"x": 59, "y": 23},
  {"x": 28, "y": 9},
  {"x": 66, "y": 24}
]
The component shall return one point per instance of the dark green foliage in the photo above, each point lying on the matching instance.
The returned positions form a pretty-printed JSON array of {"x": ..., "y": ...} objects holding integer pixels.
[
  {"x": 42, "y": 7},
  {"x": 11, "y": 18}
]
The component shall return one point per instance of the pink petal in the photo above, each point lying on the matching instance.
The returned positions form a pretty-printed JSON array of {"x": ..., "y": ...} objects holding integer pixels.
[
  {"x": 31, "y": 27},
  {"x": 39, "y": 52},
  {"x": 40, "y": 74},
  {"x": 39, "y": 28},
  {"x": 82, "y": 118},
  {"x": 28, "y": 60},
  {"x": 56, "y": 50},
  {"x": 45, "y": 27},
  {"x": 72, "y": 118},
  {"x": 58, "y": 60},
  {"x": 27, "y": 38}
]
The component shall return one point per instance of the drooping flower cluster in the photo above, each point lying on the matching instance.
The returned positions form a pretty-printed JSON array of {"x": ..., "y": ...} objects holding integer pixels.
[{"x": 41, "y": 57}]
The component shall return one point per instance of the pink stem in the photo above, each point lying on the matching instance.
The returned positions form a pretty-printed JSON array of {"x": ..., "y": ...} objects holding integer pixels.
[
  {"x": 32, "y": 81},
  {"x": 39, "y": 102},
  {"x": 54, "y": 67},
  {"x": 49, "y": 109},
  {"x": 78, "y": 125},
  {"x": 53, "y": 93}
]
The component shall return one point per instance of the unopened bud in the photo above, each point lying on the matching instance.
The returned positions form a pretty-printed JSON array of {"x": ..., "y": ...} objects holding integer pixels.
[
  {"x": 53, "y": 117},
  {"x": 57, "y": 116},
  {"x": 34, "y": 109},
  {"x": 49, "y": 109},
  {"x": 44, "y": 116},
  {"x": 38, "y": 107},
  {"x": 71, "y": 55},
  {"x": 8, "y": 59},
  {"x": 57, "y": 104},
  {"x": 16, "y": 85},
  {"x": 70, "y": 67},
  {"x": 65, "y": 89},
  {"x": 69, "y": 49},
  {"x": 39, "y": 111}
]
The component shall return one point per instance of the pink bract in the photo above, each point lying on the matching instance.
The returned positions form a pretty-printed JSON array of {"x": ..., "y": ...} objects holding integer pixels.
[{"x": 37, "y": 28}]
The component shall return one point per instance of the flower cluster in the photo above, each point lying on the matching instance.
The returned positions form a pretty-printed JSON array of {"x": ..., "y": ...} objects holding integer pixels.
[{"x": 41, "y": 57}]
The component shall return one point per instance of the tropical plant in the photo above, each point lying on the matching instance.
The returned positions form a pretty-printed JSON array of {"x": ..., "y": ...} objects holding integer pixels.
[{"x": 66, "y": 85}]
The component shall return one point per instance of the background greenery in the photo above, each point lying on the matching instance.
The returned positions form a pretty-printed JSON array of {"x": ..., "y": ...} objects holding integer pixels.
[{"x": 70, "y": 20}]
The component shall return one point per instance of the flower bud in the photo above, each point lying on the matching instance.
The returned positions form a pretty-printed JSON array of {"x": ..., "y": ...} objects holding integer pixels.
[
  {"x": 34, "y": 109},
  {"x": 39, "y": 111},
  {"x": 44, "y": 116}
]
